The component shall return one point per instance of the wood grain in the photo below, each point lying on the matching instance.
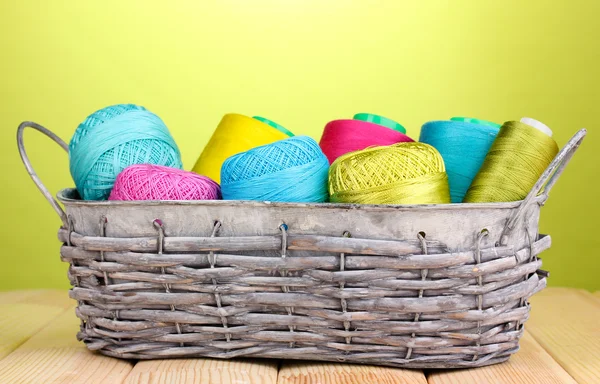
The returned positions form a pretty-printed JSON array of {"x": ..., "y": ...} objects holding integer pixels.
[
  {"x": 530, "y": 365},
  {"x": 13, "y": 297},
  {"x": 564, "y": 321},
  {"x": 204, "y": 371},
  {"x": 307, "y": 372},
  {"x": 566, "y": 324},
  {"x": 55, "y": 356},
  {"x": 23, "y": 313},
  {"x": 48, "y": 297}
]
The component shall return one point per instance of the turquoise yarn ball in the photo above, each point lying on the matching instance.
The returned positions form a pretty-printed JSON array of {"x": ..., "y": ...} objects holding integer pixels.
[
  {"x": 290, "y": 170},
  {"x": 113, "y": 138}
]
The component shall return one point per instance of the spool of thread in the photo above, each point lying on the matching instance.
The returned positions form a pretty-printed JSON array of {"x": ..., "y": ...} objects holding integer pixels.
[
  {"x": 380, "y": 120},
  {"x": 113, "y": 138},
  {"x": 155, "y": 182},
  {"x": 463, "y": 144},
  {"x": 476, "y": 121},
  {"x": 344, "y": 136},
  {"x": 274, "y": 125},
  {"x": 234, "y": 134},
  {"x": 290, "y": 170},
  {"x": 405, "y": 173},
  {"x": 518, "y": 157}
]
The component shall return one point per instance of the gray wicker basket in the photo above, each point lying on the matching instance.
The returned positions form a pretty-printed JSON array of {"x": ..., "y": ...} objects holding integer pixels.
[{"x": 427, "y": 286}]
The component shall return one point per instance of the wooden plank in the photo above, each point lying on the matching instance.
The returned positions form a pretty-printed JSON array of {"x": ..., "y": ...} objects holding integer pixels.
[
  {"x": 566, "y": 324},
  {"x": 51, "y": 297},
  {"x": 24, "y": 313},
  {"x": 55, "y": 356},
  {"x": 309, "y": 372},
  {"x": 204, "y": 371},
  {"x": 13, "y": 297},
  {"x": 530, "y": 365}
]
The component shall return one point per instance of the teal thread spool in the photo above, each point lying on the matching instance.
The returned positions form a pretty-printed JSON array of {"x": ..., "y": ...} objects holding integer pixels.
[
  {"x": 380, "y": 120},
  {"x": 113, "y": 138},
  {"x": 476, "y": 121},
  {"x": 463, "y": 144}
]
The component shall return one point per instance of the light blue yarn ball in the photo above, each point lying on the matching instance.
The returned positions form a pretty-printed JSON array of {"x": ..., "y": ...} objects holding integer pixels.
[
  {"x": 114, "y": 138},
  {"x": 290, "y": 170},
  {"x": 463, "y": 147}
]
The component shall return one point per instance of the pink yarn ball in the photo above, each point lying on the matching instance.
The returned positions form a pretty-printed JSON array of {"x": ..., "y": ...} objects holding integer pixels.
[{"x": 157, "y": 182}]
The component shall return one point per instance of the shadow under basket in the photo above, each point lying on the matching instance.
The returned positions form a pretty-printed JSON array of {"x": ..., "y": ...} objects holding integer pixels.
[{"x": 422, "y": 286}]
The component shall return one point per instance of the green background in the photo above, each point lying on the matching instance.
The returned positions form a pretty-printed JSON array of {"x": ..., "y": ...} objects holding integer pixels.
[{"x": 300, "y": 63}]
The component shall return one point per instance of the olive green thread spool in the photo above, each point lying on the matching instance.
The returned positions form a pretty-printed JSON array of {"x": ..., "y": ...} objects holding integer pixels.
[{"x": 518, "y": 157}]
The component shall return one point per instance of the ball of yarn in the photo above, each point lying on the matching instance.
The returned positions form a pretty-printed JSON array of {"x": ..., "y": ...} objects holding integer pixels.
[
  {"x": 156, "y": 182},
  {"x": 290, "y": 170},
  {"x": 343, "y": 136},
  {"x": 113, "y": 138},
  {"x": 404, "y": 173},
  {"x": 463, "y": 143},
  {"x": 235, "y": 133}
]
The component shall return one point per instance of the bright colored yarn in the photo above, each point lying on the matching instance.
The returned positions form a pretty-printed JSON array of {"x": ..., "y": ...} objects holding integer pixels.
[
  {"x": 113, "y": 138},
  {"x": 463, "y": 144},
  {"x": 380, "y": 120},
  {"x": 516, "y": 160},
  {"x": 343, "y": 136},
  {"x": 404, "y": 173},
  {"x": 234, "y": 134},
  {"x": 290, "y": 170},
  {"x": 156, "y": 182}
]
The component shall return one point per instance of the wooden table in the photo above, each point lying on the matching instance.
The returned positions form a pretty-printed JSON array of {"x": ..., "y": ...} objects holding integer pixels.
[{"x": 37, "y": 345}]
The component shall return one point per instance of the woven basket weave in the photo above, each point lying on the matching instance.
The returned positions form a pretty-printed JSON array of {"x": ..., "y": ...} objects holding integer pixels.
[{"x": 428, "y": 286}]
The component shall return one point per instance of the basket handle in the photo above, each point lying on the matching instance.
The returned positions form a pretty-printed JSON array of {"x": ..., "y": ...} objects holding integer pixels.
[
  {"x": 34, "y": 176},
  {"x": 547, "y": 179}
]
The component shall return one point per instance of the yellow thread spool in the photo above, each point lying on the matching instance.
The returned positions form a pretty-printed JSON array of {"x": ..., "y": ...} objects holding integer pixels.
[
  {"x": 403, "y": 173},
  {"x": 234, "y": 134},
  {"x": 517, "y": 158}
]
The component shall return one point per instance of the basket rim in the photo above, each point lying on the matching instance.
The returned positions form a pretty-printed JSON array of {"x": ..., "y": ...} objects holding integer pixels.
[{"x": 65, "y": 196}]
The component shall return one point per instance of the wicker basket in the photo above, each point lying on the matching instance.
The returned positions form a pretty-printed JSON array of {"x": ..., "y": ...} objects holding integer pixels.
[{"x": 427, "y": 286}]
